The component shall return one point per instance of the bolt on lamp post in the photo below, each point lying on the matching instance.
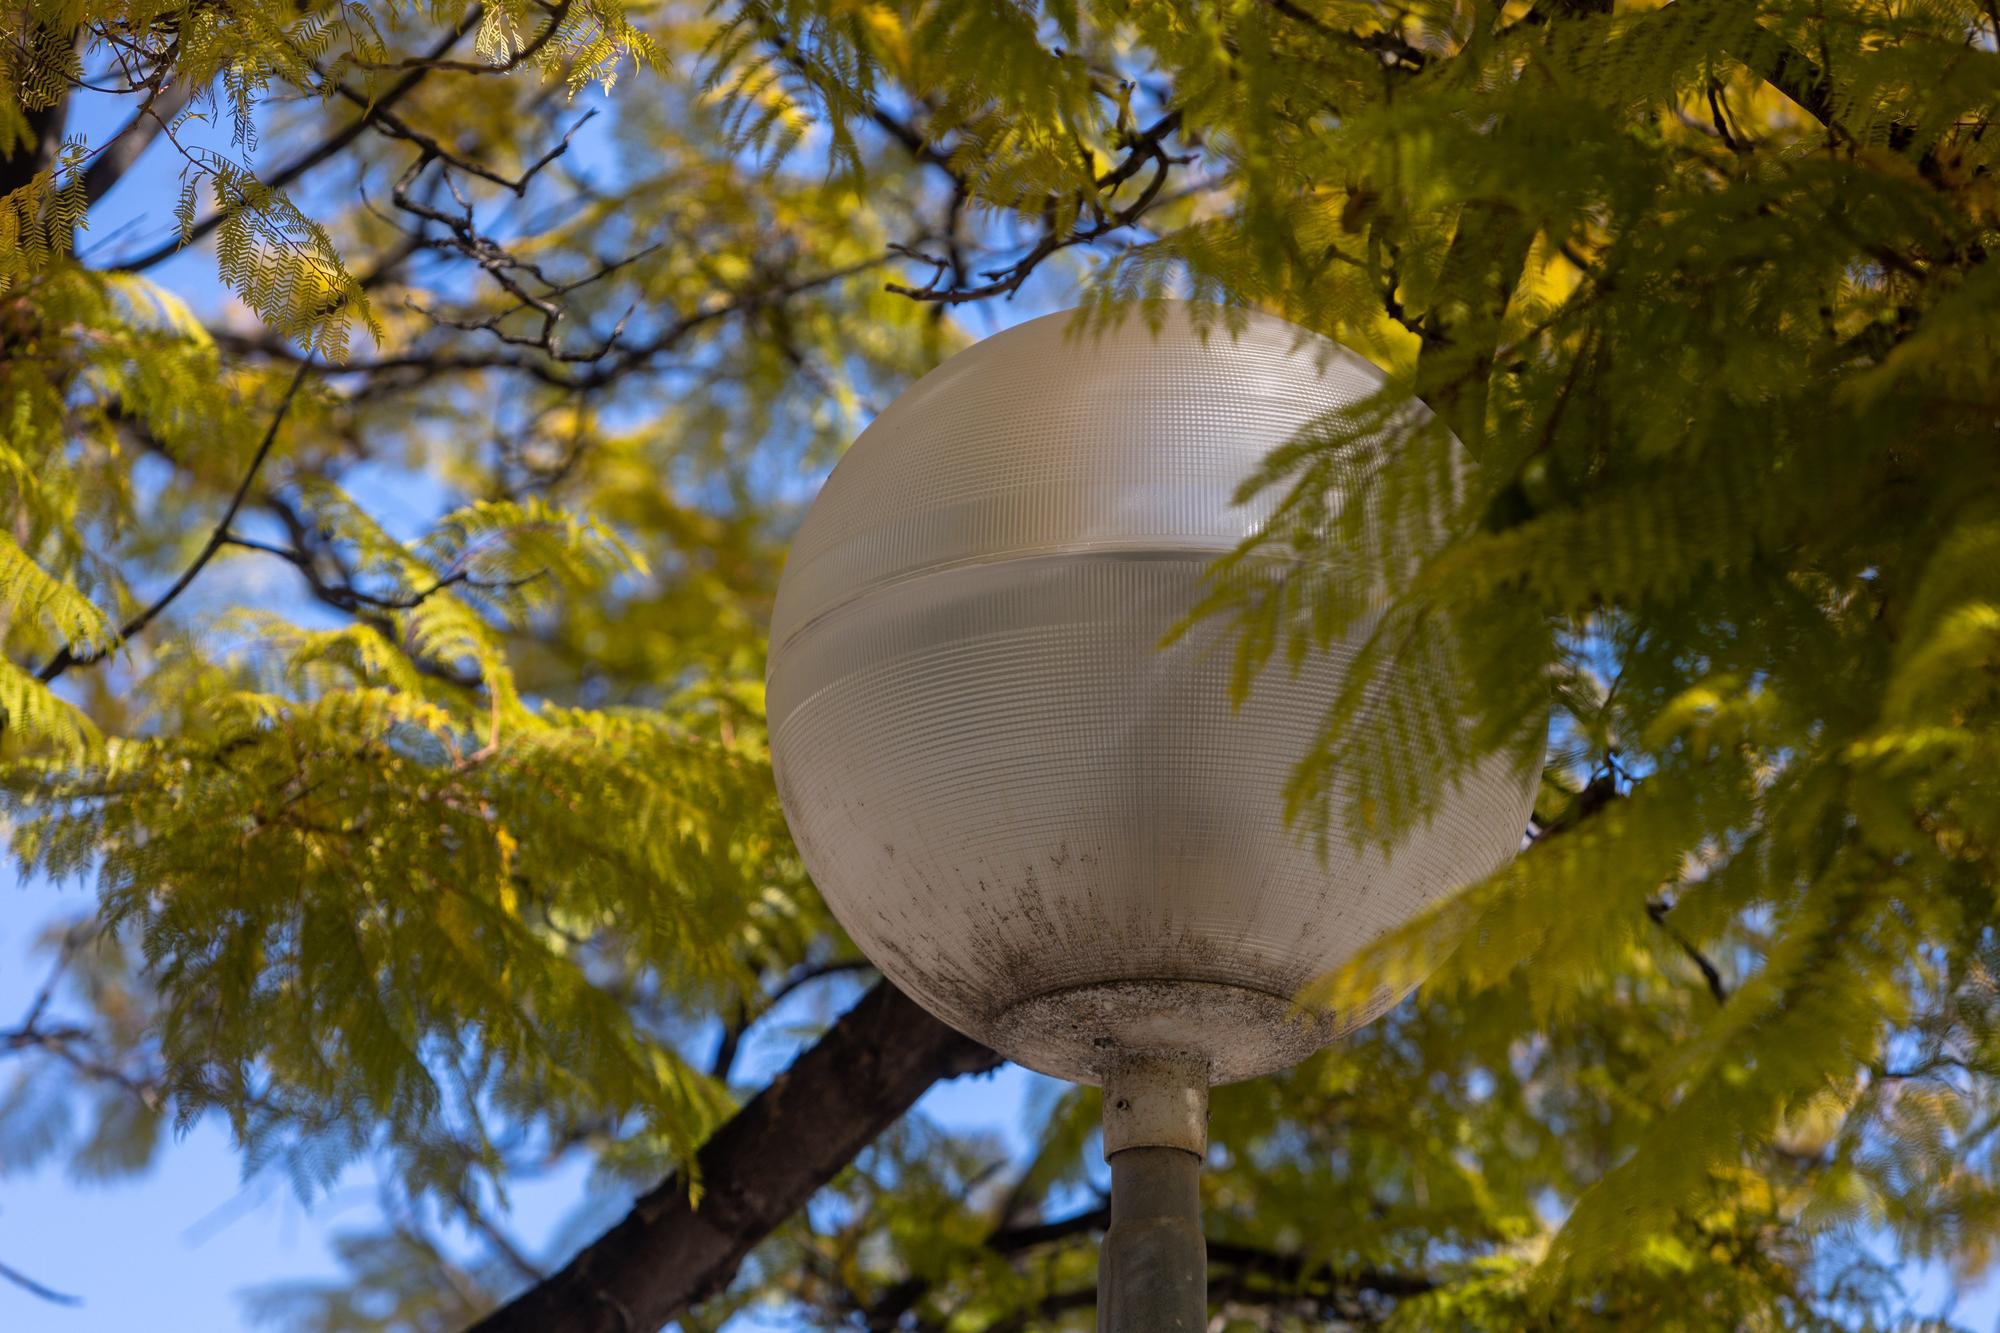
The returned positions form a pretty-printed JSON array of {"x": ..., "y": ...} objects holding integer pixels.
[{"x": 1050, "y": 831}]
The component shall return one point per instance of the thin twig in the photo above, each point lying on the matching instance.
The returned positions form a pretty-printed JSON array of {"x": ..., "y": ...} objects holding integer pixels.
[
  {"x": 732, "y": 1036},
  {"x": 34, "y": 1288},
  {"x": 68, "y": 658},
  {"x": 1142, "y": 148},
  {"x": 1709, "y": 973},
  {"x": 306, "y": 161}
]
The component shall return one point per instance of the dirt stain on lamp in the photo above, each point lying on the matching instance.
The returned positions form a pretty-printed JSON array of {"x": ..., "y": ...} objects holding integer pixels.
[{"x": 1048, "y": 830}]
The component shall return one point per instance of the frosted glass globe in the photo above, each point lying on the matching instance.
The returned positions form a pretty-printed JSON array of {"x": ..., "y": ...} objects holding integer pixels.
[{"x": 1050, "y": 832}]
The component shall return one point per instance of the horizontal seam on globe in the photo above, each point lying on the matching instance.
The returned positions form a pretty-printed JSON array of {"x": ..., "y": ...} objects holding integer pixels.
[
  {"x": 1176, "y": 983},
  {"x": 1034, "y": 555}
]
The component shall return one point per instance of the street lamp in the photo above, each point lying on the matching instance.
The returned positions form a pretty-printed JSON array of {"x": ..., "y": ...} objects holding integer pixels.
[{"x": 1047, "y": 829}]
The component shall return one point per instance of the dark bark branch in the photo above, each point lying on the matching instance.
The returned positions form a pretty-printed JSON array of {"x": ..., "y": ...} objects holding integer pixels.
[
  {"x": 724, "y": 1061},
  {"x": 37, "y": 1289},
  {"x": 43, "y": 140},
  {"x": 557, "y": 13},
  {"x": 68, "y": 657},
  {"x": 1143, "y": 148},
  {"x": 1243, "y": 1274},
  {"x": 1389, "y": 46},
  {"x": 124, "y": 149},
  {"x": 612, "y": 363},
  {"x": 1013, "y": 1240},
  {"x": 312, "y": 157},
  {"x": 497, "y": 1240},
  {"x": 1710, "y": 974},
  {"x": 756, "y": 1171},
  {"x": 889, "y": 1309},
  {"x": 1291, "y": 1270}
]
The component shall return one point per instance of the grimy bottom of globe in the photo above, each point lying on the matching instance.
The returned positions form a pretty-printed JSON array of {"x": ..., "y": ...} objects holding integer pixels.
[
  {"x": 1078, "y": 1032},
  {"x": 1069, "y": 841}
]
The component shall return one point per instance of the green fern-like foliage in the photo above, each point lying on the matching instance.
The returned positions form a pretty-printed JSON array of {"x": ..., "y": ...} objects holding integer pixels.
[
  {"x": 353, "y": 736},
  {"x": 1713, "y": 465},
  {"x": 484, "y": 904},
  {"x": 384, "y": 634},
  {"x": 1690, "y": 292}
]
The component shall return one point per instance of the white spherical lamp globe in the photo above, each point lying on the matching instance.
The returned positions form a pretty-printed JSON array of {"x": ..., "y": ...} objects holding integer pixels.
[{"x": 1047, "y": 829}]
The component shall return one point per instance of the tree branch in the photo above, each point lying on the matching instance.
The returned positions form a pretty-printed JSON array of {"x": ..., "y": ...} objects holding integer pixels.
[
  {"x": 757, "y": 1170},
  {"x": 1243, "y": 1273},
  {"x": 1388, "y": 45},
  {"x": 888, "y": 1310},
  {"x": 724, "y": 1060},
  {"x": 306, "y": 161},
  {"x": 37, "y": 1289},
  {"x": 68, "y": 657},
  {"x": 40, "y": 140},
  {"x": 1710, "y": 974},
  {"x": 1142, "y": 148},
  {"x": 124, "y": 149},
  {"x": 1291, "y": 1270}
]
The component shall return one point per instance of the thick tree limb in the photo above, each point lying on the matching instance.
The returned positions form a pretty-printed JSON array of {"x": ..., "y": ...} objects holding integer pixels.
[{"x": 756, "y": 1171}]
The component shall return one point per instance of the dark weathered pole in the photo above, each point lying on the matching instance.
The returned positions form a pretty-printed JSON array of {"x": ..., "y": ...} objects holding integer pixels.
[{"x": 1152, "y": 1274}]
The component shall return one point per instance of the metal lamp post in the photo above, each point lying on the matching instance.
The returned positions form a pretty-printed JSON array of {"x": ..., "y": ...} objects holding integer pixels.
[{"x": 1048, "y": 830}]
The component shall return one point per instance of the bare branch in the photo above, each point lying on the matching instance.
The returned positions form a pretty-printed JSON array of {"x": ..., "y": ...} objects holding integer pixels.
[
  {"x": 1143, "y": 148},
  {"x": 67, "y": 658},
  {"x": 1709, "y": 973},
  {"x": 557, "y": 13},
  {"x": 733, "y": 1034},
  {"x": 312, "y": 157},
  {"x": 118, "y": 154},
  {"x": 37, "y": 1289}
]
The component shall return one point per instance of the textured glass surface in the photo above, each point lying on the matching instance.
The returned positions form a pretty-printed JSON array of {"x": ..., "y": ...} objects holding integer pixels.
[{"x": 1046, "y": 829}]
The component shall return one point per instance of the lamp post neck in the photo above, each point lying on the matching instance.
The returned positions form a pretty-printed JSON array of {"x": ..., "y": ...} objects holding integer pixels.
[{"x": 1153, "y": 1268}]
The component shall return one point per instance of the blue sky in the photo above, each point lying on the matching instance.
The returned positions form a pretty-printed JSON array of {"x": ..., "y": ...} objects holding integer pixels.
[{"x": 170, "y": 1251}]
